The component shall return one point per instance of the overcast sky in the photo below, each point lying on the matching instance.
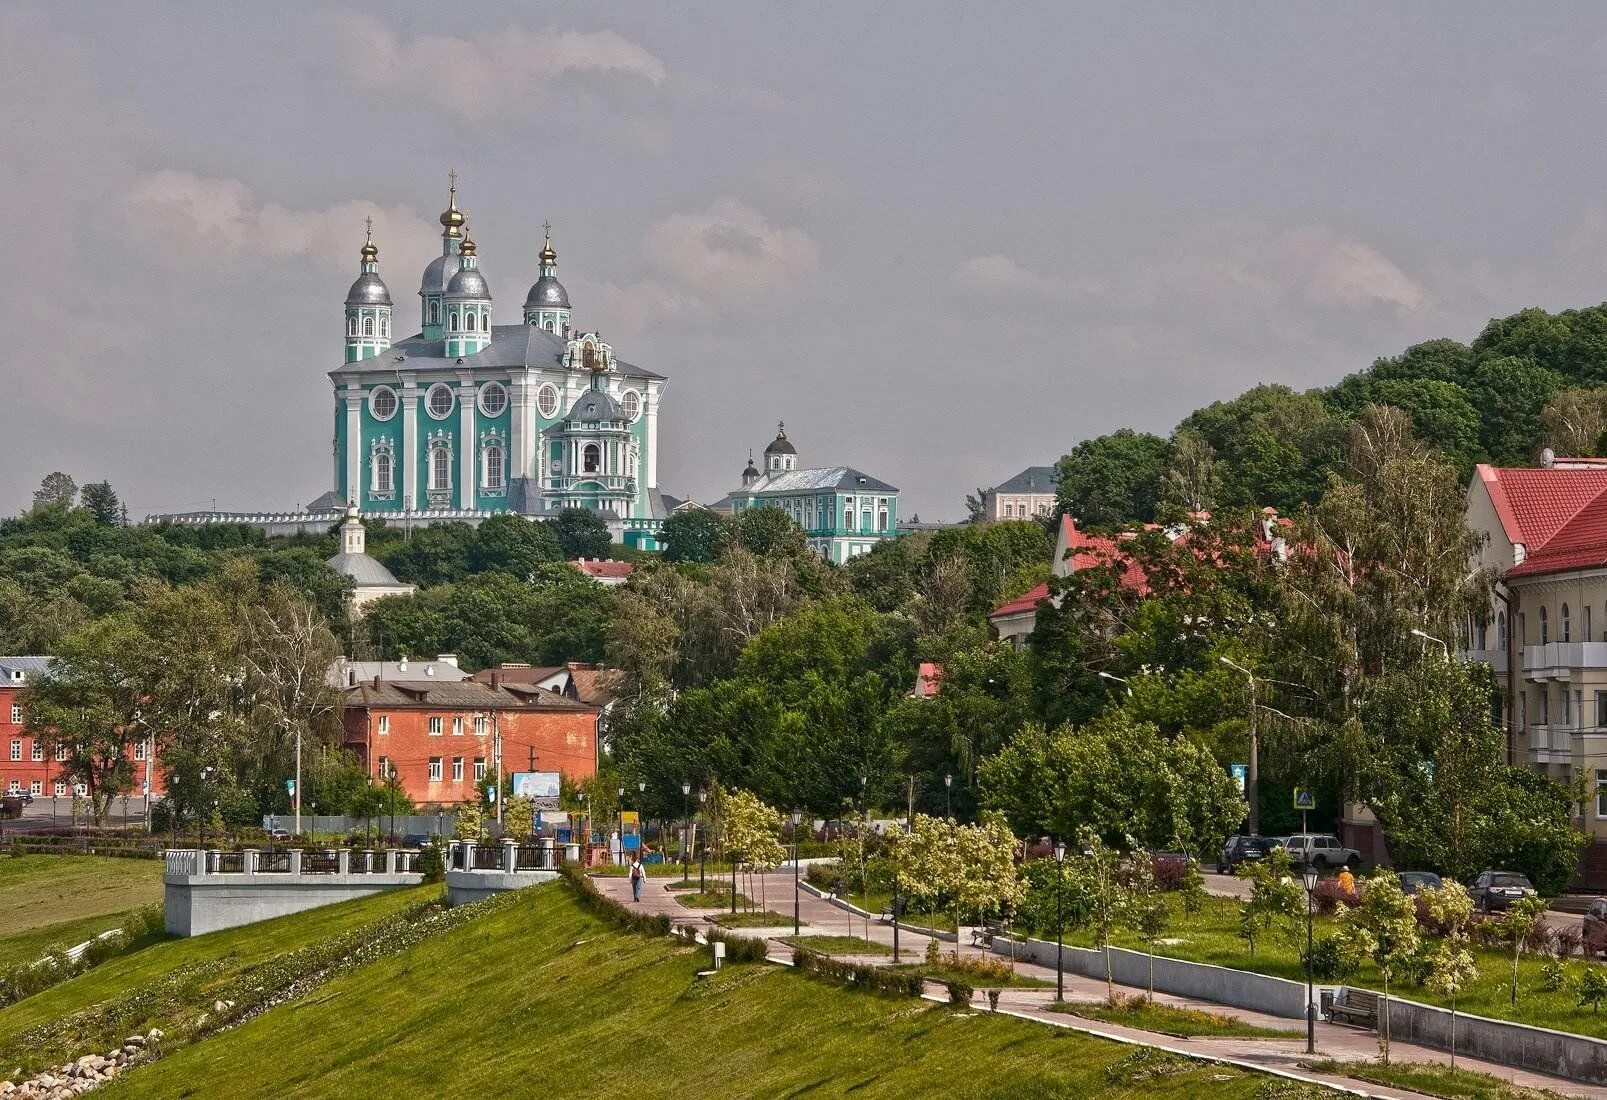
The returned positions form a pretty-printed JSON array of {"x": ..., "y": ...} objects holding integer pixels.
[{"x": 944, "y": 242}]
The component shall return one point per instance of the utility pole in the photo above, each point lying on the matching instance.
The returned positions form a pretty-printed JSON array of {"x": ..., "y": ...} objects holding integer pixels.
[
  {"x": 298, "y": 779},
  {"x": 1253, "y": 786},
  {"x": 496, "y": 740}
]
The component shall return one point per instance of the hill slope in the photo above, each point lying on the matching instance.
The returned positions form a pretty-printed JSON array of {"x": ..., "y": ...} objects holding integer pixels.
[{"x": 545, "y": 999}]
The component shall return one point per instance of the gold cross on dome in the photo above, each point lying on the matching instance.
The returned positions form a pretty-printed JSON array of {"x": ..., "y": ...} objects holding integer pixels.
[
  {"x": 368, "y": 224},
  {"x": 452, "y": 178},
  {"x": 546, "y": 231}
]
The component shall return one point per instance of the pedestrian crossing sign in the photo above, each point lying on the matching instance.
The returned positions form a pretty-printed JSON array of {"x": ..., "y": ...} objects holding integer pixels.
[{"x": 1305, "y": 798}]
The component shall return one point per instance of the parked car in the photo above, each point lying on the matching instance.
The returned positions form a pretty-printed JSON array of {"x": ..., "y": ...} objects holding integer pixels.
[
  {"x": 1320, "y": 851},
  {"x": 417, "y": 840},
  {"x": 1238, "y": 849},
  {"x": 1495, "y": 890},
  {"x": 277, "y": 835},
  {"x": 1413, "y": 881},
  {"x": 1594, "y": 929}
]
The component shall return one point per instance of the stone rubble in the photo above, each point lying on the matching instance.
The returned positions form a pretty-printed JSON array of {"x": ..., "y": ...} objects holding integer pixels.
[{"x": 84, "y": 1073}]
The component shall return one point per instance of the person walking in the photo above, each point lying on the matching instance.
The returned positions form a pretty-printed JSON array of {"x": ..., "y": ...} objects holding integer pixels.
[
  {"x": 1347, "y": 881},
  {"x": 638, "y": 873}
]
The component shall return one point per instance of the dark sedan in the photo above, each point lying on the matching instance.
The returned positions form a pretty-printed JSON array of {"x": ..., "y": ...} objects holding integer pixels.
[
  {"x": 1240, "y": 849},
  {"x": 1413, "y": 881}
]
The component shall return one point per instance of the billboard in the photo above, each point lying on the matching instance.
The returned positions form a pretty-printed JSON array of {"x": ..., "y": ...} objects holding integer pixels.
[{"x": 540, "y": 787}]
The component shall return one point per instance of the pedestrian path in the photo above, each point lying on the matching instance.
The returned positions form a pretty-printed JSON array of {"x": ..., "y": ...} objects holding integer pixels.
[{"x": 820, "y": 916}]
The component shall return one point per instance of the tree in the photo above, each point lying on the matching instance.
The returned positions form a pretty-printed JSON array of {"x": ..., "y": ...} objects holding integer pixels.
[
  {"x": 471, "y": 822},
  {"x": 1273, "y": 446},
  {"x": 56, "y": 489},
  {"x": 1276, "y": 900},
  {"x": 1098, "y": 871},
  {"x": 1574, "y": 421},
  {"x": 1383, "y": 927},
  {"x": 518, "y": 817},
  {"x": 582, "y": 533},
  {"x": 1514, "y": 927},
  {"x": 751, "y": 832},
  {"x": 1146, "y": 908},
  {"x": 90, "y": 707},
  {"x": 695, "y": 535},
  {"x": 768, "y": 532},
  {"x": 514, "y": 545},
  {"x": 1451, "y": 967},
  {"x": 1593, "y": 988},
  {"x": 1191, "y": 482},
  {"x": 1113, "y": 479},
  {"x": 100, "y": 501},
  {"x": 967, "y": 868},
  {"x": 1510, "y": 394},
  {"x": 975, "y": 510}
]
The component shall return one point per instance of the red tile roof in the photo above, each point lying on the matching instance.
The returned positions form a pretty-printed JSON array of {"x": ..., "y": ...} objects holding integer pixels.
[
  {"x": 929, "y": 678},
  {"x": 1024, "y": 602},
  {"x": 595, "y": 567},
  {"x": 1558, "y": 515}
]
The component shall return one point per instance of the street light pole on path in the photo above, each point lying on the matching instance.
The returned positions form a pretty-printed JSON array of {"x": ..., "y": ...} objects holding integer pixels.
[
  {"x": 686, "y": 815},
  {"x": 1060, "y": 921},
  {"x": 1118, "y": 680},
  {"x": 797, "y": 925},
  {"x": 1310, "y": 878},
  {"x": 948, "y": 800},
  {"x": 703, "y": 849}
]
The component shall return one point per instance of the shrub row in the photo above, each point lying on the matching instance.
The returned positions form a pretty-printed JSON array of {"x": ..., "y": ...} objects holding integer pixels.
[
  {"x": 861, "y": 976},
  {"x": 595, "y": 901}
]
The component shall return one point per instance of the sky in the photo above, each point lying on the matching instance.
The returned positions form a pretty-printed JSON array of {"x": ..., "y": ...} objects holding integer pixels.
[{"x": 943, "y": 242}]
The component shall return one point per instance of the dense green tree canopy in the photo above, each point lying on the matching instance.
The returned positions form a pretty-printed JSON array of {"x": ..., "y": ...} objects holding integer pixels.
[{"x": 1113, "y": 479}]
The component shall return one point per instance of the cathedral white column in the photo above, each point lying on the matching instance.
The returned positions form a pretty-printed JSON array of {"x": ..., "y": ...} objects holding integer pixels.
[
  {"x": 469, "y": 447},
  {"x": 650, "y": 402},
  {"x": 521, "y": 422},
  {"x": 409, "y": 457},
  {"x": 354, "y": 443}
]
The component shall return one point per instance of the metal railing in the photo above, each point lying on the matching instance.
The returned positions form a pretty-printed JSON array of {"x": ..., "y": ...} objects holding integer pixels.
[
  {"x": 531, "y": 858},
  {"x": 488, "y": 857},
  {"x": 227, "y": 863},
  {"x": 325, "y": 862},
  {"x": 273, "y": 863}
]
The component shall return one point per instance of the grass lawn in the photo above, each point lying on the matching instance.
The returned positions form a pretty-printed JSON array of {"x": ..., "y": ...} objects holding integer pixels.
[
  {"x": 544, "y": 999},
  {"x": 874, "y": 903},
  {"x": 37, "y": 891},
  {"x": 240, "y": 947},
  {"x": 713, "y": 899},
  {"x": 1184, "y": 1023},
  {"x": 1437, "y": 1080},
  {"x": 36, "y": 943},
  {"x": 1211, "y": 936},
  {"x": 839, "y": 945},
  {"x": 754, "y": 919},
  {"x": 942, "y": 972}
]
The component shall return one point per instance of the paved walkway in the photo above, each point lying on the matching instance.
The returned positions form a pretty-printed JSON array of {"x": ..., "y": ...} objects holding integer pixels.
[{"x": 822, "y": 917}]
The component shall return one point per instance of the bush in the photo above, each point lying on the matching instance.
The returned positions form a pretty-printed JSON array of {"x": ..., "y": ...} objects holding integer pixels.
[
  {"x": 1569, "y": 941},
  {"x": 646, "y": 924},
  {"x": 1170, "y": 872},
  {"x": 871, "y": 979},
  {"x": 826, "y": 877},
  {"x": 1332, "y": 959},
  {"x": 1329, "y": 896},
  {"x": 740, "y": 949},
  {"x": 982, "y": 968},
  {"x": 432, "y": 861},
  {"x": 959, "y": 992},
  {"x": 1553, "y": 977}
]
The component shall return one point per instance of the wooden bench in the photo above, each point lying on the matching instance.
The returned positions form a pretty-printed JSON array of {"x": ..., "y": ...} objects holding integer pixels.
[
  {"x": 982, "y": 935},
  {"x": 893, "y": 911},
  {"x": 1359, "y": 1008}
]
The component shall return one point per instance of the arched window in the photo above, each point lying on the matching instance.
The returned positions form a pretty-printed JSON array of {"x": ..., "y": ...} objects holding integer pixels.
[
  {"x": 1545, "y": 627},
  {"x": 385, "y": 326},
  {"x": 549, "y": 326},
  {"x": 368, "y": 326},
  {"x": 440, "y": 469},
  {"x": 469, "y": 322},
  {"x": 1565, "y": 621},
  {"x": 1501, "y": 631},
  {"x": 491, "y": 464},
  {"x": 591, "y": 459},
  {"x": 452, "y": 322},
  {"x": 435, "y": 313},
  {"x": 382, "y": 472},
  {"x": 351, "y": 324}
]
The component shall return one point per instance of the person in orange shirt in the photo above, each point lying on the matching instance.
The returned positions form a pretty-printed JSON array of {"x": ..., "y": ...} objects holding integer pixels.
[{"x": 1347, "y": 881}]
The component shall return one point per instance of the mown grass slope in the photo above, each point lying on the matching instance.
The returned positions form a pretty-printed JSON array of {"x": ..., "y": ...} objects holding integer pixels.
[
  {"x": 545, "y": 999},
  {"x": 239, "y": 947},
  {"x": 77, "y": 892}
]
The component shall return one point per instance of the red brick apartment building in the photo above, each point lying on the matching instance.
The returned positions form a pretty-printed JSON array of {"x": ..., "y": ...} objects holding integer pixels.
[
  {"x": 442, "y": 738},
  {"x": 27, "y": 763}
]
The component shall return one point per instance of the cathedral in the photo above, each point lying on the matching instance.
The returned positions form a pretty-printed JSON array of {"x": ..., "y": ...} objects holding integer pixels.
[{"x": 467, "y": 418}]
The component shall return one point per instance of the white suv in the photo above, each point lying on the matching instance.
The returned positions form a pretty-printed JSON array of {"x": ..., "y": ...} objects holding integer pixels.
[{"x": 1321, "y": 851}]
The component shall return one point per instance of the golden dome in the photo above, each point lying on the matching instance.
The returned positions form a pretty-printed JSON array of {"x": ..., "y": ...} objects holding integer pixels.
[
  {"x": 370, "y": 249},
  {"x": 467, "y": 247},
  {"x": 548, "y": 256},
  {"x": 452, "y": 218}
]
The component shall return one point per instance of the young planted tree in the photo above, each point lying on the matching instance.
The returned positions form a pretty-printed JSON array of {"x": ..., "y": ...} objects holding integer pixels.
[
  {"x": 1276, "y": 899},
  {"x": 518, "y": 817},
  {"x": 1147, "y": 909},
  {"x": 752, "y": 836},
  {"x": 1451, "y": 967},
  {"x": 1099, "y": 872},
  {"x": 1515, "y": 925},
  {"x": 1384, "y": 928},
  {"x": 1593, "y": 988}
]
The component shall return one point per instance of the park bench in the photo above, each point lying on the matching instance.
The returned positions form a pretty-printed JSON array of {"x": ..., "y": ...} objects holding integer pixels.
[
  {"x": 1359, "y": 1007},
  {"x": 893, "y": 911},
  {"x": 982, "y": 935}
]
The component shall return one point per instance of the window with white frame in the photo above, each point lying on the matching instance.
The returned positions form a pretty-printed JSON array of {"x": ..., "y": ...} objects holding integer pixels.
[
  {"x": 36, "y": 787},
  {"x": 1545, "y": 627},
  {"x": 435, "y": 769},
  {"x": 479, "y": 725},
  {"x": 16, "y": 714},
  {"x": 457, "y": 725},
  {"x": 38, "y": 750},
  {"x": 384, "y": 325},
  {"x": 59, "y": 788},
  {"x": 452, "y": 322},
  {"x": 16, "y": 749},
  {"x": 61, "y": 753},
  {"x": 382, "y": 471},
  {"x": 435, "y": 726},
  {"x": 881, "y": 521},
  {"x": 1601, "y": 793},
  {"x": 1565, "y": 621},
  {"x": 493, "y": 398},
  {"x": 384, "y": 725},
  {"x": 1567, "y": 719},
  {"x": 351, "y": 324},
  {"x": 440, "y": 469},
  {"x": 368, "y": 326},
  {"x": 439, "y": 401},
  {"x": 139, "y": 750},
  {"x": 382, "y": 402},
  {"x": 384, "y": 770},
  {"x": 1545, "y": 707},
  {"x": 457, "y": 769},
  {"x": 479, "y": 768},
  {"x": 469, "y": 322},
  {"x": 435, "y": 313},
  {"x": 81, "y": 789},
  {"x": 491, "y": 466}
]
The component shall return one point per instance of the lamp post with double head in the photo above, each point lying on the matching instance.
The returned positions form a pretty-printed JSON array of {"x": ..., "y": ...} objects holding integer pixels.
[
  {"x": 1060, "y": 921},
  {"x": 1310, "y": 878},
  {"x": 686, "y": 816},
  {"x": 797, "y": 925}
]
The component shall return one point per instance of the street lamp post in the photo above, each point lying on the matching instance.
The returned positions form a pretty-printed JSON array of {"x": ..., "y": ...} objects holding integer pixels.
[
  {"x": 797, "y": 925},
  {"x": 1060, "y": 921},
  {"x": 1118, "y": 680},
  {"x": 1310, "y": 878},
  {"x": 1445, "y": 649},
  {"x": 686, "y": 816},
  {"x": 703, "y": 848},
  {"x": 948, "y": 801},
  {"x": 641, "y": 824},
  {"x": 1253, "y": 785}
]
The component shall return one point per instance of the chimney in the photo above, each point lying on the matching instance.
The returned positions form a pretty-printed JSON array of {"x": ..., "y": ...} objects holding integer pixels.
[
  {"x": 447, "y": 659},
  {"x": 401, "y": 666},
  {"x": 496, "y": 680},
  {"x": 376, "y": 681}
]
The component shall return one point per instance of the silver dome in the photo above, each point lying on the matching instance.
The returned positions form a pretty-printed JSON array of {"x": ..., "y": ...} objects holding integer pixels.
[
  {"x": 367, "y": 572},
  {"x": 438, "y": 274},
  {"x": 468, "y": 283},
  {"x": 368, "y": 290},
  {"x": 547, "y": 293},
  {"x": 593, "y": 406}
]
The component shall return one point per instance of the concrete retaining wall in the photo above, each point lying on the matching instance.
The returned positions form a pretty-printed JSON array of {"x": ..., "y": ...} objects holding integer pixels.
[
  {"x": 1555, "y": 1052},
  {"x": 1240, "y": 988},
  {"x": 197, "y": 904},
  {"x": 463, "y": 887}
]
